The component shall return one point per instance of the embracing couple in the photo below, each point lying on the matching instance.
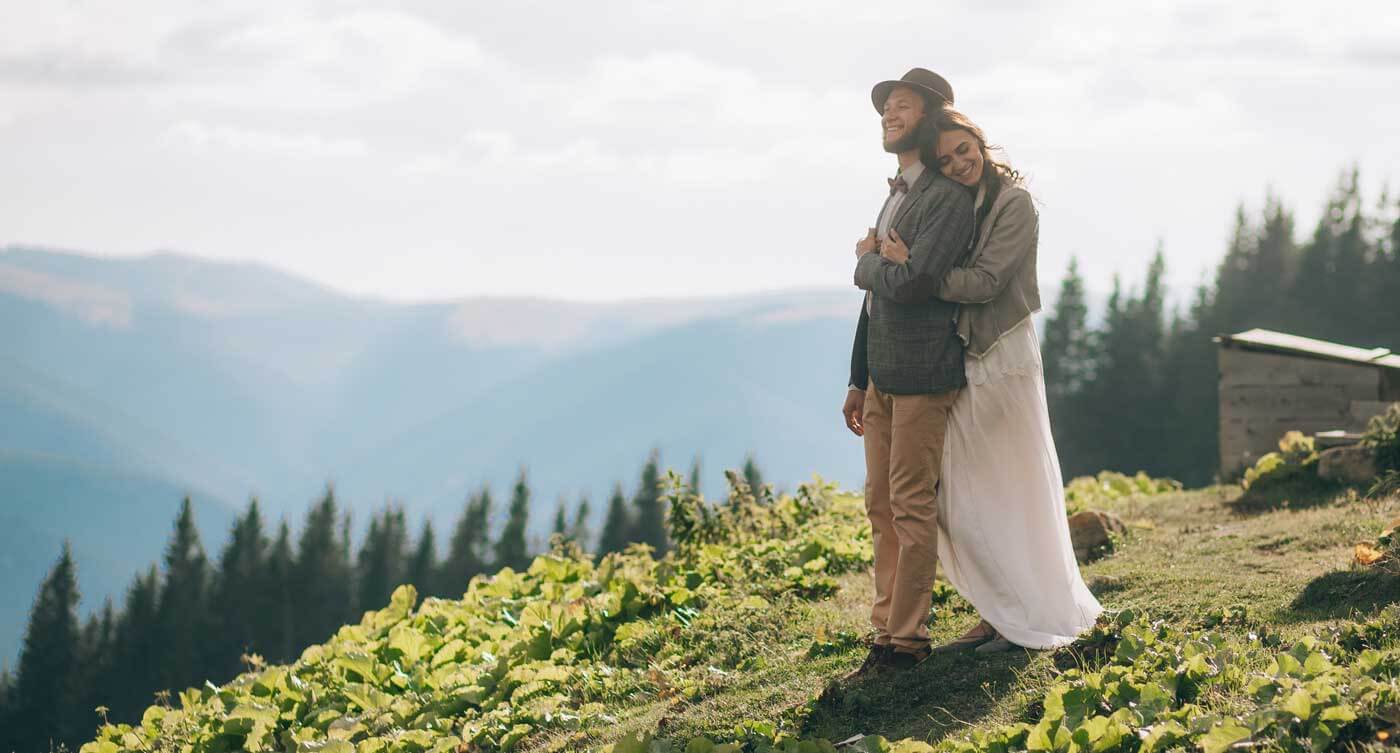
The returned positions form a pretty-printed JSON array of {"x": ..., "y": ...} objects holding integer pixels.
[{"x": 947, "y": 391}]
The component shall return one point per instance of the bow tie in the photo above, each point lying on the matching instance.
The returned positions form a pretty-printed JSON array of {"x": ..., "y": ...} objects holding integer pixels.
[{"x": 898, "y": 184}]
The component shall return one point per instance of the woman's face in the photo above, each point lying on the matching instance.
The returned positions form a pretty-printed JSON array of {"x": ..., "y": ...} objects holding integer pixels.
[{"x": 959, "y": 157}]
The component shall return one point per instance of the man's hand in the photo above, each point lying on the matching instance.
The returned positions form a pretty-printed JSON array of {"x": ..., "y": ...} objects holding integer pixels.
[
  {"x": 854, "y": 411},
  {"x": 894, "y": 249},
  {"x": 867, "y": 245}
]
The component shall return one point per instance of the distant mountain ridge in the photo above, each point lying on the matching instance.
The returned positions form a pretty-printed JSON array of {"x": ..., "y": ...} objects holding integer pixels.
[{"x": 240, "y": 380}]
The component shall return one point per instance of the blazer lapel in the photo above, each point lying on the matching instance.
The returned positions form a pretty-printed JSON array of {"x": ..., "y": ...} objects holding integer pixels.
[{"x": 912, "y": 198}]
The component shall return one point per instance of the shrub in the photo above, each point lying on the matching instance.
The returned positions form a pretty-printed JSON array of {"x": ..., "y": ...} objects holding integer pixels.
[
  {"x": 1383, "y": 437},
  {"x": 1296, "y": 458},
  {"x": 1088, "y": 492}
]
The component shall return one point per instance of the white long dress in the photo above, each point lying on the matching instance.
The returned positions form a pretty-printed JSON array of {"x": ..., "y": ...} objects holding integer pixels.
[{"x": 1002, "y": 537}]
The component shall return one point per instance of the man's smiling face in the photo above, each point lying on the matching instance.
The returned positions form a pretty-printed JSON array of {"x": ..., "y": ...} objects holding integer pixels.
[{"x": 903, "y": 110}]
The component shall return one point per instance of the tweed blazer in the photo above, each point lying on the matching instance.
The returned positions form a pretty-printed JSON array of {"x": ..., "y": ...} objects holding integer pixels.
[
  {"x": 997, "y": 286},
  {"x": 911, "y": 341}
]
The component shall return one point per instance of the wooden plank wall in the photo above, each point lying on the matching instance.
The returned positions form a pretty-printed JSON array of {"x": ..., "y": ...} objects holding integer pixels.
[
  {"x": 1390, "y": 385},
  {"x": 1263, "y": 395}
]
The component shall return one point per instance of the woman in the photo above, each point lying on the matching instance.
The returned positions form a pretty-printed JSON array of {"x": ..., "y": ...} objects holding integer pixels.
[{"x": 1003, "y": 537}]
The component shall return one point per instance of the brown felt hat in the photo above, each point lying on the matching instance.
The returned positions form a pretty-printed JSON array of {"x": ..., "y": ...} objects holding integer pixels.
[{"x": 920, "y": 79}]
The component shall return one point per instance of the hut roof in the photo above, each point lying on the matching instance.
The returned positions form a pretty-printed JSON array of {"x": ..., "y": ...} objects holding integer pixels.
[{"x": 1282, "y": 342}]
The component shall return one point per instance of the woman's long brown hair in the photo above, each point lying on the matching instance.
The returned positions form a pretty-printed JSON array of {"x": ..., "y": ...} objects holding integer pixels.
[{"x": 995, "y": 172}]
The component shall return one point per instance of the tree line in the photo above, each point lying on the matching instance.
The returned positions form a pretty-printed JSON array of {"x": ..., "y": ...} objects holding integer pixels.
[
  {"x": 267, "y": 596},
  {"x": 1137, "y": 390}
]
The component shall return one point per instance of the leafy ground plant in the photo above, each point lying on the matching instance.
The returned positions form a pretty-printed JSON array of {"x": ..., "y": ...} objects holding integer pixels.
[
  {"x": 1094, "y": 492},
  {"x": 1383, "y": 437},
  {"x": 521, "y": 654},
  {"x": 737, "y": 640}
]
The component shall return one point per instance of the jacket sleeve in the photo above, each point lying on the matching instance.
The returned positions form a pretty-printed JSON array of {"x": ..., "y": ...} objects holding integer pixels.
[
  {"x": 940, "y": 240},
  {"x": 860, "y": 368},
  {"x": 1014, "y": 233}
]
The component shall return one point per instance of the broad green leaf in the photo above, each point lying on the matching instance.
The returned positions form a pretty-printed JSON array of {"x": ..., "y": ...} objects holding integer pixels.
[
  {"x": 403, "y": 600},
  {"x": 1221, "y": 738},
  {"x": 1299, "y": 703},
  {"x": 628, "y": 744},
  {"x": 409, "y": 642},
  {"x": 1338, "y": 714},
  {"x": 100, "y": 746},
  {"x": 1287, "y": 665},
  {"x": 327, "y": 746},
  {"x": 255, "y": 712},
  {"x": 1316, "y": 664},
  {"x": 874, "y": 744},
  {"x": 1042, "y": 735},
  {"x": 358, "y": 662},
  {"x": 1162, "y": 735}
]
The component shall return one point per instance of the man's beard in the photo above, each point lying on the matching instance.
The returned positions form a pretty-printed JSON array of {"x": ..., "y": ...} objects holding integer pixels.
[{"x": 908, "y": 142}]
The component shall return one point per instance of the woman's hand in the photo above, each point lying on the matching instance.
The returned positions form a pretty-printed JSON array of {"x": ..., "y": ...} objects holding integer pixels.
[
  {"x": 867, "y": 245},
  {"x": 894, "y": 249}
]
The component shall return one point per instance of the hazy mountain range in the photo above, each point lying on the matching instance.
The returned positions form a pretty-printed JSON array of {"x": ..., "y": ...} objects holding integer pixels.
[{"x": 127, "y": 383}]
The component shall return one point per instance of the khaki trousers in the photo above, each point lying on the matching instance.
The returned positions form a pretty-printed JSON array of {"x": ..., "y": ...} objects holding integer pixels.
[{"x": 903, "y": 457}]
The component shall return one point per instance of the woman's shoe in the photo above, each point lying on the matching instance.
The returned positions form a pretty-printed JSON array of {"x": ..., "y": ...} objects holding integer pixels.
[
  {"x": 978, "y": 636},
  {"x": 995, "y": 646}
]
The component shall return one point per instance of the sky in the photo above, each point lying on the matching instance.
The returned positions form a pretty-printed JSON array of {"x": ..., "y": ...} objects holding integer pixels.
[{"x": 620, "y": 150}]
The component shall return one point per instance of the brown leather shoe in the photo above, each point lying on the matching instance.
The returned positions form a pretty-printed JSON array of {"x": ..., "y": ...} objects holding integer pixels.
[
  {"x": 982, "y": 633},
  {"x": 878, "y": 657},
  {"x": 905, "y": 658},
  {"x": 996, "y": 646}
]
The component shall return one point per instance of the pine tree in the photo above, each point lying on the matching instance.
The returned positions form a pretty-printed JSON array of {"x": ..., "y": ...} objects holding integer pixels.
[
  {"x": 467, "y": 551},
  {"x": 579, "y": 531},
  {"x": 239, "y": 597},
  {"x": 95, "y": 665},
  {"x": 511, "y": 550},
  {"x": 561, "y": 519},
  {"x": 382, "y": 561},
  {"x": 1275, "y": 263},
  {"x": 1066, "y": 351},
  {"x": 422, "y": 568},
  {"x": 322, "y": 587},
  {"x": 49, "y": 664},
  {"x": 1384, "y": 289},
  {"x": 649, "y": 518},
  {"x": 1331, "y": 254},
  {"x": 753, "y": 477},
  {"x": 693, "y": 483},
  {"x": 616, "y": 526},
  {"x": 1125, "y": 397},
  {"x": 138, "y": 648},
  {"x": 182, "y": 611},
  {"x": 1351, "y": 252},
  {"x": 1234, "y": 278},
  {"x": 1190, "y": 395},
  {"x": 10, "y": 726},
  {"x": 277, "y": 626}
]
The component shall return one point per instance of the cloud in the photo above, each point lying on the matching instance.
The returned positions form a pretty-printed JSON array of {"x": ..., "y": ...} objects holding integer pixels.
[
  {"x": 63, "y": 69},
  {"x": 203, "y": 136},
  {"x": 302, "y": 61},
  {"x": 464, "y": 121}
]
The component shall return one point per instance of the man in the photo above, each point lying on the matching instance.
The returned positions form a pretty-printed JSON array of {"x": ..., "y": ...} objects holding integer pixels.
[{"x": 907, "y": 367}]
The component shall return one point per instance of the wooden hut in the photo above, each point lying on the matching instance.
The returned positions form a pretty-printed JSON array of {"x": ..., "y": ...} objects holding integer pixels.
[{"x": 1272, "y": 382}]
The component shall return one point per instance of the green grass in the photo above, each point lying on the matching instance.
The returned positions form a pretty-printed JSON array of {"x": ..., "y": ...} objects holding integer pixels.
[
  {"x": 1189, "y": 553},
  {"x": 747, "y": 637}
]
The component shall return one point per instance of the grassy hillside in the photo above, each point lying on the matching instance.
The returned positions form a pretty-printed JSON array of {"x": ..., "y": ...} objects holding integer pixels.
[{"x": 1233, "y": 623}]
